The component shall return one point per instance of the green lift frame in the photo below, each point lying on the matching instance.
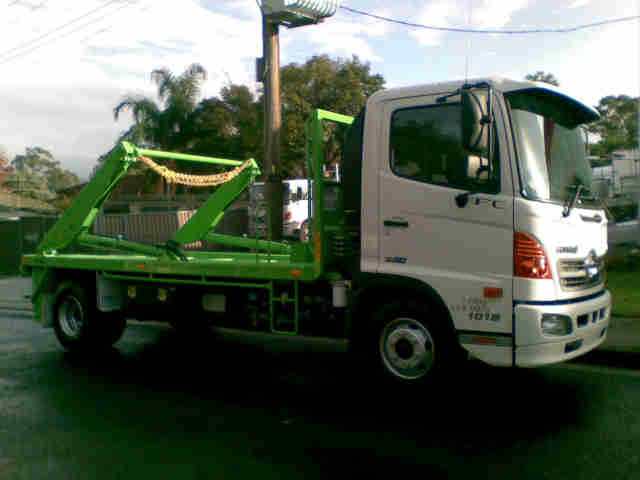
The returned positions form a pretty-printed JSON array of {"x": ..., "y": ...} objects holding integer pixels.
[{"x": 271, "y": 262}]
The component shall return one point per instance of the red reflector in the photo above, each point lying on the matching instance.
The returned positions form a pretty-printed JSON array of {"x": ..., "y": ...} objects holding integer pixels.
[
  {"x": 484, "y": 340},
  {"x": 492, "y": 292},
  {"x": 141, "y": 266},
  {"x": 287, "y": 216},
  {"x": 296, "y": 273}
]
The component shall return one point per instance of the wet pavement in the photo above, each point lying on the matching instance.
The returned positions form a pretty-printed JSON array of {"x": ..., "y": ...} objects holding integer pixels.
[{"x": 163, "y": 405}]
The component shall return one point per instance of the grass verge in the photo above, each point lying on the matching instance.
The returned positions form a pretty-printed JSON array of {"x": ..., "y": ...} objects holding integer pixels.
[{"x": 625, "y": 288}]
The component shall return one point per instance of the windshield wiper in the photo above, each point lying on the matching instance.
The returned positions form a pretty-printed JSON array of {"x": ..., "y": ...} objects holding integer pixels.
[
  {"x": 574, "y": 199},
  {"x": 595, "y": 198}
]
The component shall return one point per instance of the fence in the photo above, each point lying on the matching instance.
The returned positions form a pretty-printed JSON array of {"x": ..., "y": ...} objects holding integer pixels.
[
  {"x": 157, "y": 227},
  {"x": 19, "y": 237}
]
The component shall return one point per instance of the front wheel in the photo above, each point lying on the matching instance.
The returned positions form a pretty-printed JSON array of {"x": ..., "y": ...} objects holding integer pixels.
[{"x": 412, "y": 345}]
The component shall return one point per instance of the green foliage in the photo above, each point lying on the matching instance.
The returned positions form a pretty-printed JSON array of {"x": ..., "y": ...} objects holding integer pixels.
[
  {"x": 623, "y": 281},
  {"x": 164, "y": 125},
  {"x": 4, "y": 164},
  {"x": 341, "y": 86},
  {"x": 36, "y": 174},
  {"x": 618, "y": 123},
  {"x": 231, "y": 124},
  {"x": 541, "y": 76}
]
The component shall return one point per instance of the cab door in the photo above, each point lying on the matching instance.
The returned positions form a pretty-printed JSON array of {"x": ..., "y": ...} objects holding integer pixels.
[{"x": 461, "y": 245}]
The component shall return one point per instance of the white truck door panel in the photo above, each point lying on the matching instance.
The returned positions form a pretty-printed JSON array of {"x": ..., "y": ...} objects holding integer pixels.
[{"x": 464, "y": 253}]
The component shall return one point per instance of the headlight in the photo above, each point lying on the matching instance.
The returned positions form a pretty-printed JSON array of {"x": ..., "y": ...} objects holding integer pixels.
[{"x": 556, "y": 324}]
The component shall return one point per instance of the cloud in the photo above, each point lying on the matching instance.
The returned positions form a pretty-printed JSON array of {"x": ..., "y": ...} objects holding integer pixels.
[
  {"x": 579, "y": 3},
  {"x": 61, "y": 95},
  {"x": 446, "y": 13}
]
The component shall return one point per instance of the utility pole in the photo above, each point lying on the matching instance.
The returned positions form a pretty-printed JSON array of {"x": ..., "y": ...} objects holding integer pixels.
[
  {"x": 272, "y": 126},
  {"x": 292, "y": 13}
]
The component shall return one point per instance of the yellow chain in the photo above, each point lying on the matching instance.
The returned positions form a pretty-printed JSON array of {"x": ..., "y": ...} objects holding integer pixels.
[{"x": 193, "y": 180}]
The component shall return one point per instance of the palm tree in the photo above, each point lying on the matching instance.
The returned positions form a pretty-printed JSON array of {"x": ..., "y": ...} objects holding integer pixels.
[{"x": 165, "y": 125}]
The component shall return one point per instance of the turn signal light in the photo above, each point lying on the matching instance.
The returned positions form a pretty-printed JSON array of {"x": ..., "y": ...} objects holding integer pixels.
[{"x": 529, "y": 258}]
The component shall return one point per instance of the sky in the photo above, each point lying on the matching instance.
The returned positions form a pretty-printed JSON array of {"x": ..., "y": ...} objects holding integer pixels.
[{"x": 65, "y": 64}]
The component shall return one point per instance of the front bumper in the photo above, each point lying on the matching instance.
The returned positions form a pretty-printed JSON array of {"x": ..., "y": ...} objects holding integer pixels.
[{"x": 590, "y": 321}]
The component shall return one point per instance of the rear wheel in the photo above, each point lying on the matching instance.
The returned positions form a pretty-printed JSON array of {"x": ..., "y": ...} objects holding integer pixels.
[
  {"x": 71, "y": 318},
  {"x": 79, "y": 325}
]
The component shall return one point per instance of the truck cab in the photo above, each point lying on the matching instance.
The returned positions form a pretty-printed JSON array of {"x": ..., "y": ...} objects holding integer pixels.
[{"x": 480, "y": 195}]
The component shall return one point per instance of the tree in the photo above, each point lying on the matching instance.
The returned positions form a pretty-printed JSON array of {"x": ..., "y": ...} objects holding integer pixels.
[
  {"x": 37, "y": 174},
  {"x": 541, "y": 76},
  {"x": 341, "y": 86},
  {"x": 165, "y": 125},
  {"x": 618, "y": 123},
  {"x": 230, "y": 125},
  {"x": 4, "y": 165}
]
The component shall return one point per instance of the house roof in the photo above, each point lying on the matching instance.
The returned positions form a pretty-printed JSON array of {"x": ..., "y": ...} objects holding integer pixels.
[{"x": 12, "y": 201}]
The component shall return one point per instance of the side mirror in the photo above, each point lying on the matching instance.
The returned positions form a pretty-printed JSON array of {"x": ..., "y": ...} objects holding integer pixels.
[{"x": 475, "y": 122}]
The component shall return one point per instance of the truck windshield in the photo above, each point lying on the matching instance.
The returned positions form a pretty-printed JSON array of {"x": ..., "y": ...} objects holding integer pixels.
[{"x": 552, "y": 157}]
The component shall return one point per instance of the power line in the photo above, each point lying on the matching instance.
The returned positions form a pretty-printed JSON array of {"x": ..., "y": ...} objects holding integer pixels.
[
  {"x": 499, "y": 32},
  {"x": 57, "y": 29},
  {"x": 95, "y": 20}
]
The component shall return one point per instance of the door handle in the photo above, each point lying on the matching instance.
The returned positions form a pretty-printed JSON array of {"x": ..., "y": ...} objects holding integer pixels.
[{"x": 396, "y": 223}]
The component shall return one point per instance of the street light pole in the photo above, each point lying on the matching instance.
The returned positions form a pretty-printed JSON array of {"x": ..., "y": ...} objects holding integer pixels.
[
  {"x": 272, "y": 127},
  {"x": 292, "y": 13}
]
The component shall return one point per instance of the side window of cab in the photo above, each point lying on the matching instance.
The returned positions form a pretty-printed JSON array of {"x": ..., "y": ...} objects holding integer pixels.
[{"x": 426, "y": 146}]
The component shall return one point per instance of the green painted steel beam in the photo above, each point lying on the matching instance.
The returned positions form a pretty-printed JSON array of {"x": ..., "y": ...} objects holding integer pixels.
[
  {"x": 88, "y": 240},
  {"x": 187, "y": 158},
  {"x": 224, "y": 265},
  {"x": 256, "y": 244},
  {"x": 333, "y": 117},
  {"x": 179, "y": 281},
  {"x": 82, "y": 211},
  {"x": 209, "y": 214}
]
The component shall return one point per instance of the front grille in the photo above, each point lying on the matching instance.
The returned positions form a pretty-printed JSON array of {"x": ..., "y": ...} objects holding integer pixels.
[{"x": 581, "y": 274}]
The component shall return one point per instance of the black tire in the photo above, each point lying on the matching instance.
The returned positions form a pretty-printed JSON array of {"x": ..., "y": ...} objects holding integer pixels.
[
  {"x": 413, "y": 344},
  {"x": 79, "y": 325},
  {"x": 72, "y": 318}
]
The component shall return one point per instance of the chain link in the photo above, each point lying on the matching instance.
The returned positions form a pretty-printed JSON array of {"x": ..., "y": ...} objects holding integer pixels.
[{"x": 193, "y": 180}]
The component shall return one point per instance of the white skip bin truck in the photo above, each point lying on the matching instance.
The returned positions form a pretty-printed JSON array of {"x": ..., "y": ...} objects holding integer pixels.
[{"x": 463, "y": 221}]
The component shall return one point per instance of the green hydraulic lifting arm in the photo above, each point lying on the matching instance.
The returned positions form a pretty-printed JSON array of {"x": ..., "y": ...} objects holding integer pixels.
[
  {"x": 84, "y": 209},
  {"x": 315, "y": 160},
  {"x": 74, "y": 225}
]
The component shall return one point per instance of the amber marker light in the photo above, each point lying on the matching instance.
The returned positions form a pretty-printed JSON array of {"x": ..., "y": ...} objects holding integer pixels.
[{"x": 492, "y": 292}]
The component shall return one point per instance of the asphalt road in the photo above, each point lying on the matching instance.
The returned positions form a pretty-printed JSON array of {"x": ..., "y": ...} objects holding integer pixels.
[{"x": 162, "y": 405}]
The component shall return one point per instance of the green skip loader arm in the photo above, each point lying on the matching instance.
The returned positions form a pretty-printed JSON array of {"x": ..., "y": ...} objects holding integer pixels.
[{"x": 74, "y": 225}]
